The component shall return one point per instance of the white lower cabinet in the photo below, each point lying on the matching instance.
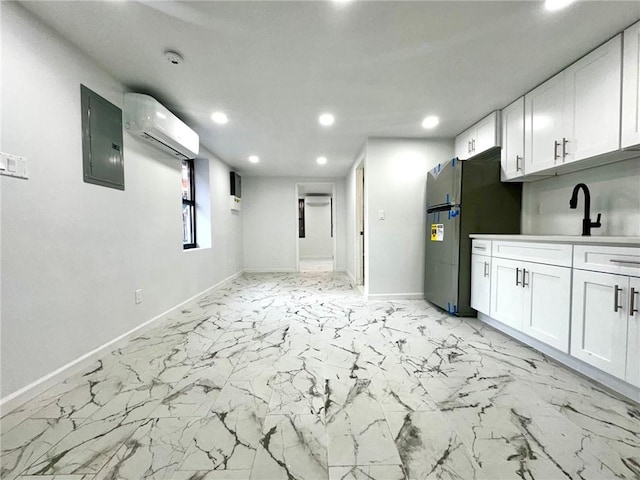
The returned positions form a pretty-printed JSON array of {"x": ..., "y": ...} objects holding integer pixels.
[
  {"x": 533, "y": 298},
  {"x": 604, "y": 330},
  {"x": 481, "y": 283}
]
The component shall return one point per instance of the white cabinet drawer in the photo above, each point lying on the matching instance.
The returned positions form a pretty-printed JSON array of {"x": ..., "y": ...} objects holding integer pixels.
[
  {"x": 481, "y": 247},
  {"x": 549, "y": 253},
  {"x": 620, "y": 260}
]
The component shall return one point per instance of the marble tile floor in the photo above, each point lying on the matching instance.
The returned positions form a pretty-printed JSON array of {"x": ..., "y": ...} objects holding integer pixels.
[{"x": 296, "y": 376}]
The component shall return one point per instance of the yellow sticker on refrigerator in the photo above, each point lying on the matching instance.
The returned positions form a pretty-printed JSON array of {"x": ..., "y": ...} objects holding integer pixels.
[{"x": 437, "y": 232}]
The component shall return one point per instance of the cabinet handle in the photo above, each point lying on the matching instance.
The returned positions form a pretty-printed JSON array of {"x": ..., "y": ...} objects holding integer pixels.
[
  {"x": 486, "y": 271},
  {"x": 524, "y": 276},
  {"x": 632, "y": 308},
  {"x": 630, "y": 262},
  {"x": 555, "y": 150},
  {"x": 518, "y": 158},
  {"x": 473, "y": 144},
  {"x": 616, "y": 291},
  {"x": 468, "y": 146},
  {"x": 564, "y": 147},
  {"x": 517, "y": 277}
]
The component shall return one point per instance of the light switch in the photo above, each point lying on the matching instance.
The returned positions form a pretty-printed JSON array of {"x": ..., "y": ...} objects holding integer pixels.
[{"x": 380, "y": 214}]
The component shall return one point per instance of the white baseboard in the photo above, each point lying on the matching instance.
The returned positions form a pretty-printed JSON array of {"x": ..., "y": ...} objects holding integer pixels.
[
  {"x": 26, "y": 393},
  {"x": 352, "y": 279},
  {"x": 395, "y": 296},
  {"x": 609, "y": 381},
  {"x": 316, "y": 257},
  {"x": 270, "y": 270}
]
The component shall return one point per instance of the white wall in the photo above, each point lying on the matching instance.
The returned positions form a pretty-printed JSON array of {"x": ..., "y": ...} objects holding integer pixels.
[
  {"x": 318, "y": 242},
  {"x": 270, "y": 222},
  {"x": 615, "y": 192},
  {"x": 395, "y": 181},
  {"x": 73, "y": 253}
]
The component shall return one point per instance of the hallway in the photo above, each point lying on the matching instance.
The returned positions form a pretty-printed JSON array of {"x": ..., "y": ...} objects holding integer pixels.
[{"x": 296, "y": 376}]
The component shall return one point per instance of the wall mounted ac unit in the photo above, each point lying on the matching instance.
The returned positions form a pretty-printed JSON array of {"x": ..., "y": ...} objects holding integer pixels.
[
  {"x": 317, "y": 200},
  {"x": 145, "y": 117}
]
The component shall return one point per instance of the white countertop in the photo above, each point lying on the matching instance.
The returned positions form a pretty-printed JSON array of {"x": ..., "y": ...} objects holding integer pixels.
[{"x": 574, "y": 239}]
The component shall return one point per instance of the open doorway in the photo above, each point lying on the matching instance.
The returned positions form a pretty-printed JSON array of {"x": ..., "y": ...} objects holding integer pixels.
[
  {"x": 316, "y": 242},
  {"x": 360, "y": 233}
]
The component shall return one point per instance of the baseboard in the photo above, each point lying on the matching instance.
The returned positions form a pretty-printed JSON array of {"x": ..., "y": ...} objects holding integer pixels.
[
  {"x": 26, "y": 393},
  {"x": 352, "y": 279},
  {"x": 316, "y": 257},
  {"x": 395, "y": 296},
  {"x": 612, "y": 383},
  {"x": 270, "y": 270}
]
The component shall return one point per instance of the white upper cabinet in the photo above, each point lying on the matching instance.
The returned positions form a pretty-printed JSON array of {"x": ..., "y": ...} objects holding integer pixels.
[
  {"x": 512, "y": 155},
  {"x": 592, "y": 103},
  {"x": 543, "y": 124},
  {"x": 481, "y": 137},
  {"x": 631, "y": 88},
  {"x": 575, "y": 115}
]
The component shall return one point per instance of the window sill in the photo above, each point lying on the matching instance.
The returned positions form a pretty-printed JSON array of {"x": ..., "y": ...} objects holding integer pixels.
[{"x": 196, "y": 249}]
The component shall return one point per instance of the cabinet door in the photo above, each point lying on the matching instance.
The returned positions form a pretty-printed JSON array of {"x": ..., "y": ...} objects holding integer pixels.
[
  {"x": 633, "y": 339},
  {"x": 512, "y": 155},
  {"x": 592, "y": 103},
  {"x": 631, "y": 87},
  {"x": 463, "y": 144},
  {"x": 481, "y": 283},
  {"x": 506, "y": 295},
  {"x": 598, "y": 328},
  {"x": 547, "y": 300},
  {"x": 486, "y": 135},
  {"x": 543, "y": 125}
]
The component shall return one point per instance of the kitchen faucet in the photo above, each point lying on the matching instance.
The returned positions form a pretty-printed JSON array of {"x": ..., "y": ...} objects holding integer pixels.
[{"x": 587, "y": 224}]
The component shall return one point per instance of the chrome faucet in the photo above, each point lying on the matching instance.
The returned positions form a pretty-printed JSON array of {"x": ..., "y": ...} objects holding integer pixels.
[{"x": 587, "y": 224}]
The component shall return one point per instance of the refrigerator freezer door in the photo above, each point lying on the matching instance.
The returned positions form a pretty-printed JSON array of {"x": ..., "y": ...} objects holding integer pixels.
[{"x": 443, "y": 183}]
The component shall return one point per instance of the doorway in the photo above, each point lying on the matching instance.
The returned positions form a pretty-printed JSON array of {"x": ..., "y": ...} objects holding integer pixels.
[
  {"x": 316, "y": 239},
  {"x": 360, "y": 233}
]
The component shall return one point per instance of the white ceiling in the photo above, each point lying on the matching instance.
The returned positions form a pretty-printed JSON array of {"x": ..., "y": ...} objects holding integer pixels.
[{"x": 380, "y": 67}]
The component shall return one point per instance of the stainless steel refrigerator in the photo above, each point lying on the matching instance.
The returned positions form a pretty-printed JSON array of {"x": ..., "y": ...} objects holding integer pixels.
[{"x": 464, "y": 197}]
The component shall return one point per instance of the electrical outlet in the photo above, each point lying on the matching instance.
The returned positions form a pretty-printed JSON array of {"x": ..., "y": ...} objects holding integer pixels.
[{"x": 139, "y": 295}]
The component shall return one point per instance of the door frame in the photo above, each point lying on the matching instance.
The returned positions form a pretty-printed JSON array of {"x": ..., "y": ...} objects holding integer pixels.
[
  {"x": 360, "y": 246},
  {"x": 333, "y": 220}
]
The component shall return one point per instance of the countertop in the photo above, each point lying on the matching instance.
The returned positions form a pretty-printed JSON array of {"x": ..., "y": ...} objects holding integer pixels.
[{"x": 573, "y": 239}]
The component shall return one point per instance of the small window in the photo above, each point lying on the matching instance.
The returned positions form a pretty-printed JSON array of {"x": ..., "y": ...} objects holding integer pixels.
[{"x": 188, "y": 205}]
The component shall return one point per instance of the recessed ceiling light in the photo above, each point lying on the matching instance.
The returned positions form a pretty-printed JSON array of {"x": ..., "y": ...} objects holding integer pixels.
[
  {"x": 254, "y": 159},
  {"x": 430, "y": 122},
  {"x": 219, "y": 117},
  {"x": 326, "y": 119},
  {"x": 556, "y": 4},
  {"x": 321, "y": 160}
]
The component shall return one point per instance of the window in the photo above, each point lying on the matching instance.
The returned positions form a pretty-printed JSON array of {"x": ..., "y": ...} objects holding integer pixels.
[{"x": 188, "y": 205}]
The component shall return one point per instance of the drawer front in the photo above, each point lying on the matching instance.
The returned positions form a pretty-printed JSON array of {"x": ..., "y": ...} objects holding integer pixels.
[
  {"x": 481, "y": 247},
  {"x": 620, "y": 260},
  {"x": 548, "y": 253}
]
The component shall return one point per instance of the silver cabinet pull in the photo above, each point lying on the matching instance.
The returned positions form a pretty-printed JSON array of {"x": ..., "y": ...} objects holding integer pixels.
[
  {"x": 486, "y": 269},
  {"x": 473, "y": 144},
  {"x": 555, "y": 150},
  {"x": 564, "y": 147},
  {"x": 517, "y": 277},
  {"x": 630, "y": 262},
  {"x": 616, "y": 292},
  {"x": 524, "y": 276},
  {"x": 518, "y": 168},
  {"x": 480, "y": 247},
  {"x": 468, "y": 146},
  {"x": 632, "y": 308}
]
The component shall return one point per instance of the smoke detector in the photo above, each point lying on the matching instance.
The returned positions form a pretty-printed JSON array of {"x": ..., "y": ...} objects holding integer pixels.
[{"x": 174, "y": 58}]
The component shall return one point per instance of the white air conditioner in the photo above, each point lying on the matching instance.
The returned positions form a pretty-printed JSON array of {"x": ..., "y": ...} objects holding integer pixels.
[
  {"x": 317, "y": 200},
  {"x": 145, "y": 117}
]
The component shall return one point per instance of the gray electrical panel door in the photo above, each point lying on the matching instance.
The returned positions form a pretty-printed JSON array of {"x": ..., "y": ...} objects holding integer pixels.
[{"x": 102, "y": 152}]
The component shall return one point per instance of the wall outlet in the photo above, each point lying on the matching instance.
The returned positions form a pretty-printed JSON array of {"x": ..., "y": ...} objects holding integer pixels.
[{"x": 139, "y": 296}]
